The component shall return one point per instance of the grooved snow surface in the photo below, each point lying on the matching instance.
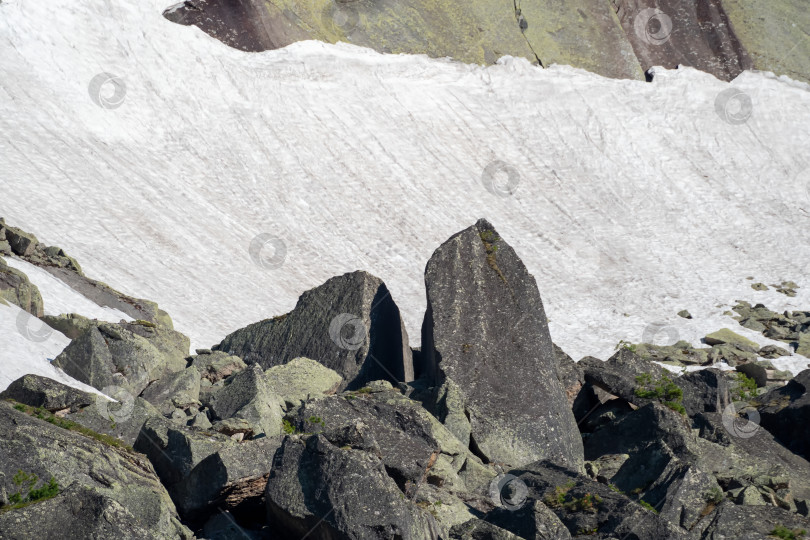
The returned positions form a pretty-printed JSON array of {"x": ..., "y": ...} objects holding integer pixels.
[{"x": 632, "y": 200}]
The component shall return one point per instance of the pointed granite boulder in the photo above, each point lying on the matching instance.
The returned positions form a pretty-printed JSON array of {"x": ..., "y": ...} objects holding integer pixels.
[
  {"x": 349, "y": 324},
  {"x": 485, "y": 330}
]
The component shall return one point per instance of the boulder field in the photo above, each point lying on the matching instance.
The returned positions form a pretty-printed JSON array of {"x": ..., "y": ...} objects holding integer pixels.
[{"x": 325, "y": 423}]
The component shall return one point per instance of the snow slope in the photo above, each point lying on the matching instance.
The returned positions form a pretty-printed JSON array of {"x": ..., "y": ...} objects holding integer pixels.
[
  {"x": 630, "y": 200},
  {"x": 27, "y": 345},
  {"x": 59, "y": 298}
]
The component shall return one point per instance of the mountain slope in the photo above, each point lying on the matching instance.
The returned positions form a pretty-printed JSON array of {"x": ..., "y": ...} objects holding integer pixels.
[{"x": 630, "y": 200}]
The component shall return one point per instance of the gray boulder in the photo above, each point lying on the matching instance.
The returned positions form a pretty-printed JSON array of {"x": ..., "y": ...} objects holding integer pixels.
[
  {"x": 301, "y": 379},
  {"x": 15, "y": 287},
  {"x": 126, "y": 355},
  {"x": 246, "y": 396},
  {"x": 104, "y": 482},
  {"x": 216, "y": 366},
  {"x": 349, "y": 324},
  {"x": 175, "y": 390},
  {"x": 485, "y": 329},
  {"x": 71, "y": 325},
  {"x": 38, "y": 391},
  {"x": 323, "y": 491},
  {"x": 122, "y": 419}
]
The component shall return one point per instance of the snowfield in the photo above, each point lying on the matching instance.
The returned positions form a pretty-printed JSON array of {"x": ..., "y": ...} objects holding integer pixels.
[{"x": 628, "y": 201}]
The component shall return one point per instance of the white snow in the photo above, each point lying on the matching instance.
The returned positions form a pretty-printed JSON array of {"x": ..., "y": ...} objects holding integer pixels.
[
  {"x": 27, "y": 345},
  {"x": 59, "y": 298},
  {"x": 633, "y": 200}
]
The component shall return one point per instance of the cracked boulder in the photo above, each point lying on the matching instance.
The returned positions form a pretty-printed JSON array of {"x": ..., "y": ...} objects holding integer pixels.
[
  {"x": 324, "y": 491},
  {"x": 350, "y": 324},
  {"x": 485, "y": 329}
]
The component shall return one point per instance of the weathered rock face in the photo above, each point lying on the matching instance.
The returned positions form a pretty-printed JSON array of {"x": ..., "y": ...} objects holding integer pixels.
[
  {"x": 748, "y": 522},
  {"x": 316, "y": 488},
  {"x": 129, "y": 355},
  {"x": 552, "y": 32},
  {"x": 349, "y": 324},
  {"x": 783, "y": 409},
  {"x": 670, "y": 33},
  {"x": 15, "y": 287},
  {"x": 485, "y": 329},
  {"x": 621, "y": 38},
  {"x": 122, "y": 420},
  {"x": 216, "y": 366},
  {"x": 38, "y": 391},
  {"x": 98, "y": 483},
  {"x": 585, "y": 507},
  {"x": 232, "y": 478}
]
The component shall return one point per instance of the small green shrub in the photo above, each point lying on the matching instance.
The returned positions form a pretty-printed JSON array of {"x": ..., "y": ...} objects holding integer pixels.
[
  {"x": 780, "y": 531},
  {"x": 563, "y": 499},
  {"x": 316, "y": 420},
  {"x": 644, "y": 504},
  {"x": 746, "y": 388},
  {"x": 26, "y": 492},
  {"x": 287, "y": 426},
  {"x": 626, "y": 345},
  {"x": 714, "y": 495},
  {"x": 663, "y": 390}
]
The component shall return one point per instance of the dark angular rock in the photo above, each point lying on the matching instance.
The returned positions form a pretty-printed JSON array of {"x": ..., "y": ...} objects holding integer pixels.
[
  {"x": 669, "y": 33},
  {"x": 772, "y": 351},
  {"x": 22, "y": 243},
  {"x": 349, "y": 324},
  {"x": 705, "y": 390},
  {"x": 232, "y": 478},
  {"x": 174, "y": 450},
  {"x": 783, "y": 409},
  {"x": 38, "y": 391},
  {"x": 106, "y": 478},
  {"x": 88, "y": 359},
  {"x": 532, "y": 520},
  {"x": 485, "y": 329},
  {"x": 618, "y": 374},
  {"x": 323, "y": 491}
]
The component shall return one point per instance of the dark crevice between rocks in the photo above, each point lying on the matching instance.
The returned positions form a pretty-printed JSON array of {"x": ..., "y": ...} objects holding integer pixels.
[{"x": 477, "y": 452}]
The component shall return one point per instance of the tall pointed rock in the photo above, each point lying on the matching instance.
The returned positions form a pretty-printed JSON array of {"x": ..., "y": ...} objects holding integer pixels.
[{"x": 486, "y": 331}]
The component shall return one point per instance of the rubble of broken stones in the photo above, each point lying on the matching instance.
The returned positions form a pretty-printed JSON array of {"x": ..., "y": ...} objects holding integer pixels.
[{"x": 324, "y": 423}]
